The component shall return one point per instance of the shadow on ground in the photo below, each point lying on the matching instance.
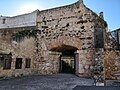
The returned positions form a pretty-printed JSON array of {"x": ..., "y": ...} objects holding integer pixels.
[{"x": 48, "y": 82}]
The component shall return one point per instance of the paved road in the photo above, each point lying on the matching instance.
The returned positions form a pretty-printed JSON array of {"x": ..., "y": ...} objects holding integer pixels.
[
  {"x": 96, "y": 88},
  {"x": 48, "y": 82},
  {"x": 113, "y": 83}
]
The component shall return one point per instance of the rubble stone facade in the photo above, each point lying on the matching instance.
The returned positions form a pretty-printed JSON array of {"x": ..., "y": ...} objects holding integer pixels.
[
  {"x": 68, "y": 39},
  {"x": 112, "y": 55},
  {"x": 17, "y": 44},
  {"x": 14, "y": 49}
]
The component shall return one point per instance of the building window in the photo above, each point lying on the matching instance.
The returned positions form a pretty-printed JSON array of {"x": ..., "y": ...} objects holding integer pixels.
[
  {"x": 4, "y": 21},
  {"x": 27, "y": 63},
  {"x": 1, "y": 61},
  {"x": 7, "y": 63},
  {"x": 18, "y": 64}
]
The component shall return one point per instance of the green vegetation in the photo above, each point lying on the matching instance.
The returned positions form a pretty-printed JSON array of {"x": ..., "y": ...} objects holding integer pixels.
[
  {"x": 25, "y": 33},
  {"x": 102, "y": 21},
  {"x": 20, "y": 35}
]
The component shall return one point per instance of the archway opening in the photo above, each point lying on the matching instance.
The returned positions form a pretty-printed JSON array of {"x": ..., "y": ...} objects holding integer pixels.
[{"x": 67, "y": 59}]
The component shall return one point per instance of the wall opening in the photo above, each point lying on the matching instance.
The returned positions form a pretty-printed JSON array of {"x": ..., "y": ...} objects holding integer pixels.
[
  {"x": 4, "y": 20},
  {"x": 67, "y": 59},
  {"x": 27, "y": 63},
  {"x": 67, "y": 62},
  {"x": 18, "y": 64},
  {"x": 1, "y": 61},
  {"x": 5, "y": 61}
]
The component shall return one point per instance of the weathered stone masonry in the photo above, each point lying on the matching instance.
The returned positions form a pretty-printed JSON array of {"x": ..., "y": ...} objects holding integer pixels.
[
  {"x": 17, "y": 46},
  {"x": 73, "y": 25},
  {"x": 23, "y": 49},
  {"x": 112, "y": 55},
  {"x": 41, "y": 42}
]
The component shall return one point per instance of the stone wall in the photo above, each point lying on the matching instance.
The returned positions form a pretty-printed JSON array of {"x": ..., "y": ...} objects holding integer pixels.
[
  {"x": 116, "y": 38},
  {"x": 112, "y": 64},
  {"x": 84, "y": 63},
  {"x": 69, "y": 28},
  {"x": 98, "y": 65},
  {"x": 112, "y": 56},
  {"x": 110, "y": 42},
  {"x": 23, "y": 49},
  {"x": 71, "y": 25}
]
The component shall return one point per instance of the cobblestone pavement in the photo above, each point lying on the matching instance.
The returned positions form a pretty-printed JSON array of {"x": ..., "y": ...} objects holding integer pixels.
[{"x": 48, "y": 82}]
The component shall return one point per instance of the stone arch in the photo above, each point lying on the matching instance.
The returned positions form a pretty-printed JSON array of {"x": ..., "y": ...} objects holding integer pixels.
[
  {"x": 66, "y": 58},
  {"x": 53, "y": 49},
  {"x": 67, "y": 46},
  {"x": 62, "y": 48},
  {"x": 64, "y": 41}
]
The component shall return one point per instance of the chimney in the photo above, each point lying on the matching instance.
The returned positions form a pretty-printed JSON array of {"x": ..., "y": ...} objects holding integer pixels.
[
  {"x": 101, "y": 15},
  {"x": 81, "y": 1}
]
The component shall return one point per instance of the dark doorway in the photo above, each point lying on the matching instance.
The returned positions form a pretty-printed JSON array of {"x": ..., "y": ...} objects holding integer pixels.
[
  {"x": 67, "y": 64},
  {"x": 18, "y": 64},
  {"x": 67, "y": 59}
]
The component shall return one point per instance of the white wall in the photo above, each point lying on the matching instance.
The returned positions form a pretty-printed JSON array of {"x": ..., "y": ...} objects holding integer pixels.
[{"x": 19, "y": 21}]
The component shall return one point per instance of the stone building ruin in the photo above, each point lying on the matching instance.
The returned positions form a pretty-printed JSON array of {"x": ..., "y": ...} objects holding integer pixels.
[{"x": 67, "y": 39}]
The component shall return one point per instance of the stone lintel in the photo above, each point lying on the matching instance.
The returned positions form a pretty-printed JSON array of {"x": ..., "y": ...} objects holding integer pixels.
[{"x": 55, "y": 53}]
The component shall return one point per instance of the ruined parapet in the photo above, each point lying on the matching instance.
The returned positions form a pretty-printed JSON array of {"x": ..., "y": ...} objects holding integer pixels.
[
  {"x": 112, "y": 55},
  {"x": 112, "y": 40}
]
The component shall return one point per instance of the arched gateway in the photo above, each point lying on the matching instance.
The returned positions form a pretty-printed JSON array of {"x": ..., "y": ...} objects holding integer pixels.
[
  {"x": 65, "y": 40},
  {"x": 67, "y": 62},
  {"x": 59, "y": 55}
]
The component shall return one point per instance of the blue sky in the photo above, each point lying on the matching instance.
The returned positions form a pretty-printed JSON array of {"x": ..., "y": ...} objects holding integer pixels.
[{"x": 111, "y": 8}]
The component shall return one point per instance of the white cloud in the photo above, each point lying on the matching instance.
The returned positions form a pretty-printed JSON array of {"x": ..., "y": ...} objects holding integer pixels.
[{"x": 29, "y": 7}]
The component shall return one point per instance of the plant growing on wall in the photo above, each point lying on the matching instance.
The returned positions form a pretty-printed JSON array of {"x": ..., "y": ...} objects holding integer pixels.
[{"x": 20, "y": 35}]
